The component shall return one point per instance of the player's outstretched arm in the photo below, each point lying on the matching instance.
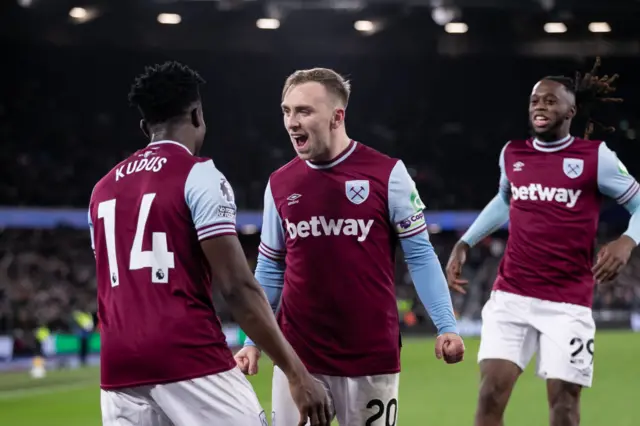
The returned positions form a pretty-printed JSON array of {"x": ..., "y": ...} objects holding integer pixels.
[
  {"x": 615, "y": 181},
  {"x": 270, "y": 275},
  {"x": 247, "y": 301},
  {"x": 406, "y": 212},
  {"x": 252, "y": 312},
  {"x": 491, "y": 218},
  {"x": 270, "y": 267},
  {"x": 433, "y": 292}
]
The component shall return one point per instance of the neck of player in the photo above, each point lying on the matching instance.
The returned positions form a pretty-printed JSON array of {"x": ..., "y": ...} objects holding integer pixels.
[
  {"x": 552, "y": 138},
  {"x": 338, "y": 145},
  {"x": 175, "y": 135}
]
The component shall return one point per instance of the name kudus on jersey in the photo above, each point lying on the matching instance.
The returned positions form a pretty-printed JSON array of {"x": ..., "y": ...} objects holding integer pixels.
[
  {"x": 319, "y": 226},
  {"x": 150, "y": 165},
  {"x": 537, "y": 192}
]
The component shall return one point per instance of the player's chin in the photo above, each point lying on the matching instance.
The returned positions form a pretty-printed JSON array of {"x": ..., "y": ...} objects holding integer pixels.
[
  {"x": 543, "y": 131},
  {"x": 304, "y": 154}
]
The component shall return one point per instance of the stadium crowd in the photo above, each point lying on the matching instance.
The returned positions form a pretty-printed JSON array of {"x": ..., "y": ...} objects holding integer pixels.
[
  {"x": 46, "y": 274},
  {"x": 61, "y": 130}
]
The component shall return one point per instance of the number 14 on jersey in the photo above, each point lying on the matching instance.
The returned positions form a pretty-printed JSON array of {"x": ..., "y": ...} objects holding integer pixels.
[{"x": 159, "y": 258}]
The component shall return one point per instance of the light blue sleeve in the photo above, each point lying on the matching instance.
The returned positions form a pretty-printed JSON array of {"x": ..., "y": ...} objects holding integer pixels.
[
  {"x": 405, "y": 206},
  {"x": 633, "y": 206},
  {"x": 495, "y": 213},
  {"x": 614, "y": 180},
  {"x": 406, "y": 213},
  {"x": 93, "y": 243},
  {"x": 211, "y": 201},
  {"x": 504, "y": 187},
  {"x": 271, "y": 266},
  {"x": 272, "y": 243}
]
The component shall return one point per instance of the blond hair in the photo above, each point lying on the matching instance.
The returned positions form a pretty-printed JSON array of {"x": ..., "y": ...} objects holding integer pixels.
[{"x": 333, "y": 82}]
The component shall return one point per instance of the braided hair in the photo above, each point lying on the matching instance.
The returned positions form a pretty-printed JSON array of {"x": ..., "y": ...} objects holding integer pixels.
[{"x": 590, "y": 91}]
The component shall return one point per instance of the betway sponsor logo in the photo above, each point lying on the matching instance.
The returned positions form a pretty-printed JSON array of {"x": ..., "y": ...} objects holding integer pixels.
[
  {"x": 537, "y": 192},
  {"x": 320, "y": 226}
]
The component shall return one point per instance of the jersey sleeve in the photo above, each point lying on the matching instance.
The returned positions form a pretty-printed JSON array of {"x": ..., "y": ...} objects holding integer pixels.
[
  {"x": 614, "y": 180},
  {"x": 405, "y": 206},
  {"x": 504, "y": 187},
  {"x": 93, "y": 244},
  {"x": 211, "y": 201},
  {"x": 272, "y": 244}
]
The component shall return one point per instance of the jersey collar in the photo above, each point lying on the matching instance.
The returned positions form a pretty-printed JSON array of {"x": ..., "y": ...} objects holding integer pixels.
[
  {"x": 554, "y": 145},
  {"x": 339, "y": 159},
  {"x": 170, "y": 143}
]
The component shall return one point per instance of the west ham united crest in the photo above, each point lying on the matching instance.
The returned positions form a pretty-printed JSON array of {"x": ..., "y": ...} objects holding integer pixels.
[
  {"x": 573, "y": 167},
  {"x": 357, "y": 191}
]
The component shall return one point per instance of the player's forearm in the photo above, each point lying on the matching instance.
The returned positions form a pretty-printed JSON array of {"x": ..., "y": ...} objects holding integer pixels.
[
  {"x": 491, "y": 218},
  {"x": 270, "y": 275},
  {"x": 633, "y": 231},
  {"x": 253, "y": 314},
  {"x": 430, "y": 282}
]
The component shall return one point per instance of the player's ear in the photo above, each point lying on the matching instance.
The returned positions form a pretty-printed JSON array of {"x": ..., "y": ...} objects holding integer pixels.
[
  {"x": 144, "y": 128},
  {"x": 195, "y": 118},
  {"x": 338, "y": 118},
  {"x": 572, "y": 112}
]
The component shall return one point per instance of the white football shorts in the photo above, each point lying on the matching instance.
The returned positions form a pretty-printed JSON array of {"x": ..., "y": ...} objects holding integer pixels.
[
  {"x": 515, "y": 327},
  {"x": 224, "y": 399},
  {"x": 356, "y": 401}
]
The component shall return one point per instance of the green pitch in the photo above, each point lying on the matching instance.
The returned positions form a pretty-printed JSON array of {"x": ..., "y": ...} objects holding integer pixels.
[{"x": 431, "y": 393}]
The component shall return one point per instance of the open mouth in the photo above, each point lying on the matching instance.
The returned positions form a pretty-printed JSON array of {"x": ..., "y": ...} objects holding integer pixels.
[
  {"x": 540, "y": 121},
  {"x": 300, "y": 140}
]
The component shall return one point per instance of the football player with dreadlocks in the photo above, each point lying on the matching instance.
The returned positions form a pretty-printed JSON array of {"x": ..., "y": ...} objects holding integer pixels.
[{"x": 551, "y": 187}]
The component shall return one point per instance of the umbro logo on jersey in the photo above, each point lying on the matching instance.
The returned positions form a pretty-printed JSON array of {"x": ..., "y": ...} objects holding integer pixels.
[
  {"x": 293, "y": 198},
  {"x": 537, "y": 192},
  {"x": 517, "y": 167}
]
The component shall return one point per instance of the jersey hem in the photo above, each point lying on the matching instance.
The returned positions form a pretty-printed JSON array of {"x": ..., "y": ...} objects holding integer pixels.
[
  {"x": 547, "y": 299},
  {"x": 333, "y": 373},
  {"x": 165, "y": 381}
]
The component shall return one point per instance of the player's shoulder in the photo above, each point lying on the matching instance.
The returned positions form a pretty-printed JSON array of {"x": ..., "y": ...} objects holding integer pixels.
[
  {"x": 375, "y": 156},
  {"x": 107, "y": 180},
  {"x": 288, "y": 171},
  {"x": 588, "y": 145},
  {"x": 515, "y": 144},
  {"x": 204, "y": 175},
  {"x": 374, "y": 165}
]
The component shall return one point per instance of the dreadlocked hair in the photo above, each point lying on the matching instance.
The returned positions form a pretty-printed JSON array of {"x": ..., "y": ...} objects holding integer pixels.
[
  {"x": 164, "y": 92},
  {"x": 590, "y": 91}
]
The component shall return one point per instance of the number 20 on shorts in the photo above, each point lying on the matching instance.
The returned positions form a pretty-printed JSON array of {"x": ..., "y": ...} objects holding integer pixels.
[{"x": 389, "y": 412}]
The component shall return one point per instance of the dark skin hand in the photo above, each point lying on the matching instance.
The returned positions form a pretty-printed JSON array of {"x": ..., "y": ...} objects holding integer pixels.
[
  {"x": 612, "y": 258},
  {"x": 454, "y": 267}
]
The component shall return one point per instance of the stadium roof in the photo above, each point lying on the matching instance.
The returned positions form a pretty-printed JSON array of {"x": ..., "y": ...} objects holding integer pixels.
[{"x": 526, "y": 27}]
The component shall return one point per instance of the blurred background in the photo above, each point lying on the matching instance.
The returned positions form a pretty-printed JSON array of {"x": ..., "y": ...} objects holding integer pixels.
[{"x": 440, "y": 84}]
